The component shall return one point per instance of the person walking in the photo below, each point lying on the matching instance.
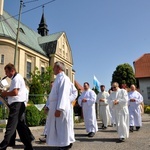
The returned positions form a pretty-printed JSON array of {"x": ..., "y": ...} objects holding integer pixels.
[
  {"x": 87, "y": 100},
  {"x": 16, "y": 99},
  {"x": 58, "y": 125}
]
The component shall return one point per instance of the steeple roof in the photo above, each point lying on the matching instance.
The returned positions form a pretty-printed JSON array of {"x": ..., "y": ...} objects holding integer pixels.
[{"x": 43, "y": 28}]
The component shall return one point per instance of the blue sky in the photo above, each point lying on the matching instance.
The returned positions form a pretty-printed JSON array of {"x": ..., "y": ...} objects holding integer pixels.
[{"x": 102, "y": 33}]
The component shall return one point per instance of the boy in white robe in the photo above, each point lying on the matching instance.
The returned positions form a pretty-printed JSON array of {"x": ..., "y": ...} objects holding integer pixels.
[
  {"x": 105, "y": 115},
  {"x": 87, "y": 102},
  {"x": 118, "y": 100},
  {"x": 135, "y": 100},
  {"x": 58, "y": 125}
]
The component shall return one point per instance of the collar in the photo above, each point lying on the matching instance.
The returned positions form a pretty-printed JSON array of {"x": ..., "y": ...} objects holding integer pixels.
[{"x": 14, "y": 75}]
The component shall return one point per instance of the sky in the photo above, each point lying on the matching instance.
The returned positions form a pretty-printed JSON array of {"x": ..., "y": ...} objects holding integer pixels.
[{"x": 102, "y": 33}]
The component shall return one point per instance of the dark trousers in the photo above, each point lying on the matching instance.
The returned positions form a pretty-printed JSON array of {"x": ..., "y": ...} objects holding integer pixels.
[
  {"x": 12, "y": 141},
  {"x": 15, "y": 121}
]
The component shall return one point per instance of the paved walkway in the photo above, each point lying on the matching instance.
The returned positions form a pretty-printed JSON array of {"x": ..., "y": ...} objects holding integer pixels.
[{"x": 103, "y": 140}]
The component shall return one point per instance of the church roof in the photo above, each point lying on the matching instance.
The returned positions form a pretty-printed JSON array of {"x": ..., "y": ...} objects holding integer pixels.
[
  {"x": 142, "y": 66},
  {"x": 49, "y": 38},
  {"x": 27, "y": 36},
  {"x": 78, "y": 86}
]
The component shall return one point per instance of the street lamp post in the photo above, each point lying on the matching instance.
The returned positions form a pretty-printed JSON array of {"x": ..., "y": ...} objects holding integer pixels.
[{"x": 17, "y": 36}]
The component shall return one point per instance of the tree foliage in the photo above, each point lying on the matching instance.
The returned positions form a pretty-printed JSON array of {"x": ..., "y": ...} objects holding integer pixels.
[
  {"x": 124, "y": 74},
  {"x": 39, "y": 85},
  {"x": 95, "y": 90}
]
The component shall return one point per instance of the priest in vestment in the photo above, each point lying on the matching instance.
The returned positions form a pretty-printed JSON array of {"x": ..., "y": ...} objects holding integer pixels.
[
  {"x": 87, "y": 102},
  {"x": 118, "y": 101},
  {"x": 135, "y": 100},
  {"x": 58, "y": 125},
  {"x": 104, "y": 111}
]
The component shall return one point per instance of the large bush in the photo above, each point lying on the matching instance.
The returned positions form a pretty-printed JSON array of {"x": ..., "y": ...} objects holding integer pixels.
[
  {"x": 3, "y": 112},
  {"x": 34, "y": 117}
]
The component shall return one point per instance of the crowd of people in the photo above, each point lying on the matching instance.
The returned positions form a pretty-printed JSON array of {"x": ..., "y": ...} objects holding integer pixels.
[{"x": 118, "y": 108}]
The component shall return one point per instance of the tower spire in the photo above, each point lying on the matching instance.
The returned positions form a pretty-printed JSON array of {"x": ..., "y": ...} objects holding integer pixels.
[{"x": 43, "y": 28}]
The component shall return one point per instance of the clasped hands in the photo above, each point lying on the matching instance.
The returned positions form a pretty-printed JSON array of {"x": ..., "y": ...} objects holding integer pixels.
[
  {"x": 101, "y": 100},
  {"x": 132, "y": 100},
  {"x": 84, "y": 100},
  {"x": 116, "y": 102}
]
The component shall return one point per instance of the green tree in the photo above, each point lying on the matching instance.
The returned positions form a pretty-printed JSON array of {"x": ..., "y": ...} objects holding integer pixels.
[
  {"x": 39, "y": 85},
  {"x": 124, "y": 74},
  {"x": 95, "y": 90}
]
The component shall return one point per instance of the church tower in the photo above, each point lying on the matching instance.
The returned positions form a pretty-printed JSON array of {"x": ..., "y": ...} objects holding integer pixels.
[{"x": 43, "y": 29}]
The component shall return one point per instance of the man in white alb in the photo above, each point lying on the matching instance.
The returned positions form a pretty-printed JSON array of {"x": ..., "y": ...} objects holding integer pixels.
[
  {"x": 118, "y": 101},
  {"x": 102, "y": 99},
  {"x": 58, "y": 124},
  {"x": 135, "y": 100},
  {"x": 73, "y": 96},
  {"x": 87, "y": 102}
]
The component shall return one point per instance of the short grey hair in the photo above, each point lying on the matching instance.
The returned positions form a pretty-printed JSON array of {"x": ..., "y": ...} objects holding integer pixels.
[
  {"x": 61, "y": 65},
  {"x": 115, "y": 83}
]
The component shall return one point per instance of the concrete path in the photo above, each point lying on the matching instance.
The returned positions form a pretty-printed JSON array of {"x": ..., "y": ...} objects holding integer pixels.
[{"x": 103, "y": 140}]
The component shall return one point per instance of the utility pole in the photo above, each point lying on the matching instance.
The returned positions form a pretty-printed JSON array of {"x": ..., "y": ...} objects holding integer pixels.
[{"x": 16, "y": 58}]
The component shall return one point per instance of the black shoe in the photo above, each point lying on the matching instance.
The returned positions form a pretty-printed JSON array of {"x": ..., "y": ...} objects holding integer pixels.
[
  {"x": 3, "y": 145},
  {"x": 102, "y": 125},
  {"x": 28, "y": 147},
  {"x": 32, "y": 138},
  {"x": 121, "y": 140},
  {"x": 131, "y": 128},
  {"x": 88, "y": 133},
  {"x": 64, "y": 148},
  {"x": 137, "y": 128},
  {"x": 91, "y": 134},
  {"x": 104, "y": 128},
  {"x": 70, "y": 146}
]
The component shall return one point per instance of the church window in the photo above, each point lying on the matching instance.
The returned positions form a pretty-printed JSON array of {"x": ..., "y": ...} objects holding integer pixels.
[
  {"x": 2, "y": 59},
  {"x": 28, "y": 75},
  {"x": 148, "y": 92}
]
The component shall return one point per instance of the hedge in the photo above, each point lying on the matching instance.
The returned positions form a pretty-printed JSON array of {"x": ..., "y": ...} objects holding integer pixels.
[
  {"x": 147, "y": 109},
  {"x": 34, "y": 117}
]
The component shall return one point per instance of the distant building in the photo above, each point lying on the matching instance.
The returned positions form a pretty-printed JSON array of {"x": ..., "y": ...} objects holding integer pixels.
[
  {"x": 35, "y": 49},
  {"x": 142, "y": 74}
]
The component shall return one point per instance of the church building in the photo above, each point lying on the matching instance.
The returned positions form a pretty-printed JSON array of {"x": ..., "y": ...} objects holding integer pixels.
[{"x": 35, "y": 49}]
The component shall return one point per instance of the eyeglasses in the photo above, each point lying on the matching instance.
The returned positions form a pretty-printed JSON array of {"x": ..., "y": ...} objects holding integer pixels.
[{"x": 114, "y": 87}]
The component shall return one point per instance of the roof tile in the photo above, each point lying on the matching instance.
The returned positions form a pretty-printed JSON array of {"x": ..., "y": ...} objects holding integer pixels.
[{"x": 142, "y": 66}]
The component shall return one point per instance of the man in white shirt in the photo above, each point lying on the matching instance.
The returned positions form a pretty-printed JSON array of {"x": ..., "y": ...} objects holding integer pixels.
[
  {"x": 16, "y": 100},
  {"x": 87, "y": 102}
]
